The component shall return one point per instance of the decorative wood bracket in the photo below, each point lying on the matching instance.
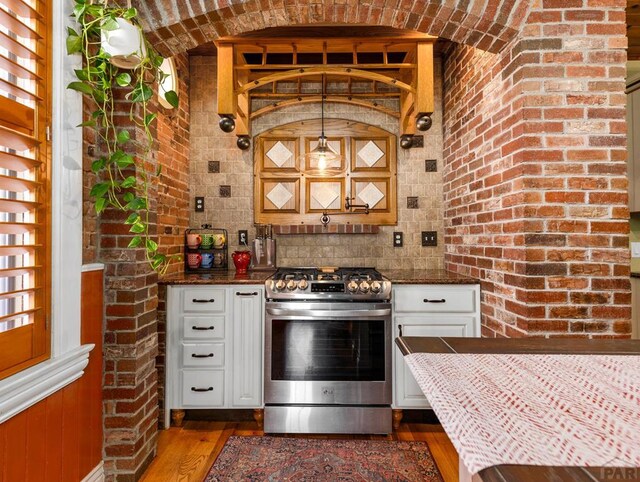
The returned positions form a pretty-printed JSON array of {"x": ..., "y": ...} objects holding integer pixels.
[{"x": 394, "y": 68}]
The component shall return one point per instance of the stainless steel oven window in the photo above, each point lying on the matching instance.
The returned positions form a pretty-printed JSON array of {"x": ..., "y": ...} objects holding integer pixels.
[{"x": 323, "y": 350}]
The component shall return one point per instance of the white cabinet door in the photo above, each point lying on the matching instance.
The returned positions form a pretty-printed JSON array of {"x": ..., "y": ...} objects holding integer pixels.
[
  {"x": 407, "y": 392},
  {"x": 247, "y": 324}
]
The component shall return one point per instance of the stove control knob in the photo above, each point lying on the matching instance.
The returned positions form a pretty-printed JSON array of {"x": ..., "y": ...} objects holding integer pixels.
[
  {"x": 352, "y": 286},
  {"x": 302, "y": 284},
  {"x": 376, "y": 287},
  {"x": 364, "y": 287},
  {"x": 280, "y": 285},
  {"x": 292, "y": 285}
]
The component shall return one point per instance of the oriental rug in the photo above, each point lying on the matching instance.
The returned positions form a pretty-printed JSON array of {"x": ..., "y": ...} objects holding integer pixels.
[{"x": 322, "y": 460}]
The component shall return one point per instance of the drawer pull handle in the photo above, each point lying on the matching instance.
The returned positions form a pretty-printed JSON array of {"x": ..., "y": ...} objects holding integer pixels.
[
  {"x": 203, "y": 328},
  {"x": 196, "y": 300},
  {"x": 195, "y": 355},
  {"x": 194, "y": 389},
  {"x": 427, "y": 300},
  {"x": 253, "y": 293}
]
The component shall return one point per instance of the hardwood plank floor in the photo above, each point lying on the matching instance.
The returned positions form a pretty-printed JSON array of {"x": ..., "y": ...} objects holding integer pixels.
[{"x": 186, "y": 454}]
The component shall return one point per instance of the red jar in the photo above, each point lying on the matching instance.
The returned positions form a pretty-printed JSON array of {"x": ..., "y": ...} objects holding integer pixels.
[{"x": 241, "y": 260}]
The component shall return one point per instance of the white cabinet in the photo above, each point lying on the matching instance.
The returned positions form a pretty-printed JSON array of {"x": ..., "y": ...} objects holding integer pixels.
[
  {"x": 430, "y": 311},
  {"x": 247, "y": 348},
  {"x": 214, "y": 347}
]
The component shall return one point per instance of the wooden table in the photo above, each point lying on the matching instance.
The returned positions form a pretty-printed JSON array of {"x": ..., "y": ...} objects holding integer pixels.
[{"x": 524, "y": 473}]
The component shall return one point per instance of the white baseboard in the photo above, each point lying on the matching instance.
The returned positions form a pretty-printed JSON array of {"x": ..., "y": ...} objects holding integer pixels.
[{"x": 96, "y": 475}]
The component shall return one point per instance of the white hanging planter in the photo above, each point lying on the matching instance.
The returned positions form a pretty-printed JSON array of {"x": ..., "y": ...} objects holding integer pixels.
[
  {"x": 169, "y": 82},
  {"x": 125, "y": 44}
]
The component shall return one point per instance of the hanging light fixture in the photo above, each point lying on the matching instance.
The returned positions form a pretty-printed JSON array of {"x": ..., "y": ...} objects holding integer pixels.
[{"x": 323, "y": 155}]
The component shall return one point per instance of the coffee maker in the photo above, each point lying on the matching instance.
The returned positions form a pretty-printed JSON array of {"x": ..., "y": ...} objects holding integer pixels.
[{"x": 263, "y": 249}]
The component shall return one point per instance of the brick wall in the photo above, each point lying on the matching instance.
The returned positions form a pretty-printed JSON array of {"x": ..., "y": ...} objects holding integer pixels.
[
  {"x": 173, "y": 196},
  {"x": 535, "y": 173},
  {"x": 130, "y": 340},
  {"x": 173, "y": 157},
  {"x": 209, "y": 143}
]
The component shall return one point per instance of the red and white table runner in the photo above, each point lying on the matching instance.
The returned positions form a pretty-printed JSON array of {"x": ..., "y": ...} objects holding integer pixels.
[{"x": 562, "y": 410}]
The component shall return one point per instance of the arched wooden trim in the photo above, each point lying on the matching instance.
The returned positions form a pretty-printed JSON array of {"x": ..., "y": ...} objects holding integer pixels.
[
  {"x": 305, "y": 72},
  {"x": 329, "y": 98}
]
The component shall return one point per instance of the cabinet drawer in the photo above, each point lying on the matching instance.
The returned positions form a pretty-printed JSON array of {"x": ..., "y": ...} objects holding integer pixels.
[
  {"x": 203, "y": 388},
  {"x": 203, "y": 355},
  {"x": 203, "y": 327},
  {"x": 446, "y": 299},
  {"x": 204, "y": 299}
]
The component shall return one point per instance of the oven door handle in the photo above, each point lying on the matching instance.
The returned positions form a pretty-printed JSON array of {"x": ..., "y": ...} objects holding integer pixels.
[{"x": 328, "y": 313}]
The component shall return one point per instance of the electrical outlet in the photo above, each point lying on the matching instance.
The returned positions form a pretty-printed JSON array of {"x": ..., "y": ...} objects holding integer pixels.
[
  {"x": 243, "y": 237},
  {"x": 429, "y": 238},
  {"x": 635, "y": 250},
  {"x": 199, "y": 204},
  {"x": 397, "y": 239}
]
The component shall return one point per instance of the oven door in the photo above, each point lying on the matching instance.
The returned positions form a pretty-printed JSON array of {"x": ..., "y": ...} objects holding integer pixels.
[{"x": 328, "y": 353}]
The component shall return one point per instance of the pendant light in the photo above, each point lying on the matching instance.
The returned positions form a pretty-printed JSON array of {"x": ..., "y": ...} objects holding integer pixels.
[{"x": 323, "y": 155}]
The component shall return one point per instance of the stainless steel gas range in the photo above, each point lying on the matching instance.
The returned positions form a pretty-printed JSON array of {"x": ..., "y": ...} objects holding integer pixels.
[{"x": 328, "y": 351}]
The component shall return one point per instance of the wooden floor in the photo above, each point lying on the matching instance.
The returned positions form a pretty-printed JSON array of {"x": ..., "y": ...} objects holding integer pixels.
[{"x": 185, "y": 454}]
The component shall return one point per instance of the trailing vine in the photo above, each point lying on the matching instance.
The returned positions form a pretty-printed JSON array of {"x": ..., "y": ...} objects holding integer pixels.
[{"x": 122, "y": 181}]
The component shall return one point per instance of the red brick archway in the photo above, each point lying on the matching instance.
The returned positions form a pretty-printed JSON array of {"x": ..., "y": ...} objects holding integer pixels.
[{"x": 175, "y": 26}]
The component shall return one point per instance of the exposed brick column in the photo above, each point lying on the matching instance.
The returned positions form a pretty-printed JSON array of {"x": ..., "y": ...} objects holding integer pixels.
[
  {"x": 535, "y": 149},
  {"x": 173, "y": 195},
  {"x": 130, "y": 344}
]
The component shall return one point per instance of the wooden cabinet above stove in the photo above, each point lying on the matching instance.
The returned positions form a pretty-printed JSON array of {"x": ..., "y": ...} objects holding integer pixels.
[{"x": 291, "y": 190}]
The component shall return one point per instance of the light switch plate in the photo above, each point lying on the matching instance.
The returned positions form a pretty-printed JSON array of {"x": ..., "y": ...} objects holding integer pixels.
[
  {"x": 635, "y": 250},
  {"x": 429, "y": 238}
]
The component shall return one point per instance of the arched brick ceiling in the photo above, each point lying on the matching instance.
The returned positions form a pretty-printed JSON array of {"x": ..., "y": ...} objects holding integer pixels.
[{"x": 175, "y": 26}]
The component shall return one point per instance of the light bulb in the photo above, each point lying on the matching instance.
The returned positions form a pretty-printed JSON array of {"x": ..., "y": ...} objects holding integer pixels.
[{"x": 322, "y": 162}]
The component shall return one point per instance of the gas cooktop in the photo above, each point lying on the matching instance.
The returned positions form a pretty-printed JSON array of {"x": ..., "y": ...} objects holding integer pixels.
[{"x": 348, "y": 284}]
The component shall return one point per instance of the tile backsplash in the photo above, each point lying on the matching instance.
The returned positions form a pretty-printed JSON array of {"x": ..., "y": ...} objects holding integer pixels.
[{"x": 418, "y": 184}]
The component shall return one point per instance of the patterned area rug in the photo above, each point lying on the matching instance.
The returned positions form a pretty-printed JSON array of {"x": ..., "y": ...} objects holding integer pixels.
[{"x": 314, "y": 460}]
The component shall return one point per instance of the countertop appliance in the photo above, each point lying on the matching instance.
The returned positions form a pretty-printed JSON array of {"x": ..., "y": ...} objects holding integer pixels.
[
  {"x": 263, "y": 249},
  {"x": 328, "y": 351}
]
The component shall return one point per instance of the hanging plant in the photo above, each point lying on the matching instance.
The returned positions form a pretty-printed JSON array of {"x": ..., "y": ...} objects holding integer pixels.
[{"x": 116, "y": 58}]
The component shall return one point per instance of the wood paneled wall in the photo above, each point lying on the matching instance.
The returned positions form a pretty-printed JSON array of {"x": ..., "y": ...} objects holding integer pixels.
[{"x": 60, "y": 438}]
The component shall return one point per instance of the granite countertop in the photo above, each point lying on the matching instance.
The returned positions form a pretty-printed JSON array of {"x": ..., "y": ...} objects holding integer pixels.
[
  {"x": 219, "y": 278},
  {"x": 635, "y": 275},
  {"x": 426, "y": 277}
]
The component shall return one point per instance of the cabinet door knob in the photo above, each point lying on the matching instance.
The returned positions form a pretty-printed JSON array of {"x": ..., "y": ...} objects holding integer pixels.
[
  {"x": 196, "y": 300},
  {"x": 253, "y": 293},
  {"x": 203, "y": 328},
  {"x": 195, "y": 389},
  {"x": 195, "y": 355},
  {"x": 427, "y": 300}
]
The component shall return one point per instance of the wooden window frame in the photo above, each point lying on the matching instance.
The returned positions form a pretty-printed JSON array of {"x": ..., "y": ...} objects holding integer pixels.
[{"x": 29, "y": 345}]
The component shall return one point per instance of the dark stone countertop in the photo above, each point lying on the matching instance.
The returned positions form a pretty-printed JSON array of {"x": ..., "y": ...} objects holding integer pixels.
[
  {"x": 426, "y": 277},
  {"x": 219, "y": 278},
  {"x": 416, "y": 277},
  {"x": 635, "y": 275}
]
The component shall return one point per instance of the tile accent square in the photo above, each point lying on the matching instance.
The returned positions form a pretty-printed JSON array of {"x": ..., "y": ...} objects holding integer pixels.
[
  {"x": 225, "y": 191},
  {"x": 430, "y": 165},
  {"x": 370, "y": 153},
  {"x": 279, "y": 154},
  {"x": 279, "y": 196},
  {"x": 213, "y": 166},
  {"x": 371, "y": 195},
  {"x": 412, "y": 202}
]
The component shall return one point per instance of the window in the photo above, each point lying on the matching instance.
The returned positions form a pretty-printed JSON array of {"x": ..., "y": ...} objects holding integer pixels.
[{"x": 24, "y": 184}]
